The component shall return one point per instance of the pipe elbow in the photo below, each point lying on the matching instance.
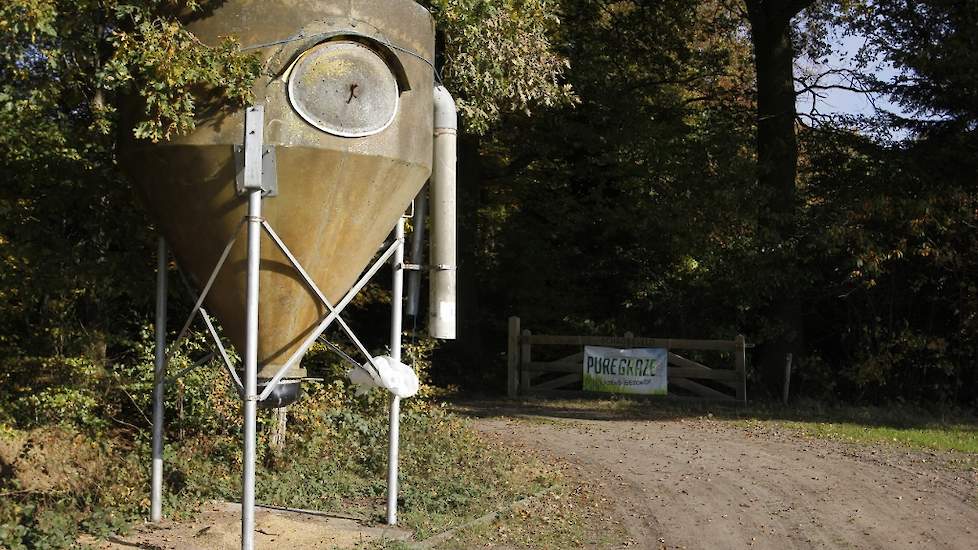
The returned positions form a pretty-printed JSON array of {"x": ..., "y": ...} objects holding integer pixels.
[{"x": 446, "y": 112}]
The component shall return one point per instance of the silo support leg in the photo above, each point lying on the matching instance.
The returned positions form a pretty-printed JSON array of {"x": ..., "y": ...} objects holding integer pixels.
[
  {"x": 397, "y": 299},
  {"x": 159, "y": 384},
  {"x": 251, "y": 374},
  {"x": 254, "y": 139}
]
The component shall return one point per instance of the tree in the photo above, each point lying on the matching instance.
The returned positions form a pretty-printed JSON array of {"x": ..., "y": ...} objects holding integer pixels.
[
  {"x": 777, "y": 157},
  {"x": 497, "y": 57},
  {"x": 621, "y": 211},
  {"x": 933, "y": 46}
]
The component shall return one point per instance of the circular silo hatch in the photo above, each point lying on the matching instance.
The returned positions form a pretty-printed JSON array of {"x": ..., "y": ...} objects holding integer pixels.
[{"x": 344, "y": 88}]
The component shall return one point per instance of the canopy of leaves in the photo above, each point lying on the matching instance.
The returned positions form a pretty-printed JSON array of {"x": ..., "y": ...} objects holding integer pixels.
[
  {"x": 933, "y": 45},
  {"x": 498, "y": 57},
  {"x": 639, "y": 208}
]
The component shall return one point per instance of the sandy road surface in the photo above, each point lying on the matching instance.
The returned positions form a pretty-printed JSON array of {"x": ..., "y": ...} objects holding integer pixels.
[
  {"x": 218, "y": 527},
  {"x": 706, "y": 484}
]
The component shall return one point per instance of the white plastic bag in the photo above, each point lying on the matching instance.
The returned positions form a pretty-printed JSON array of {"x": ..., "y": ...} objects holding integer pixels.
[{"x": 395, "y": 377}]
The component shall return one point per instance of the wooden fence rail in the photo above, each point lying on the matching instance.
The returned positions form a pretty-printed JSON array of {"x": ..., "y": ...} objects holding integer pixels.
[{"x": 526, "y": 376}]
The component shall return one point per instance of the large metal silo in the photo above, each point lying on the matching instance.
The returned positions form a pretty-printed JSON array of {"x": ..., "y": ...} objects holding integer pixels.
[
  {"x": 347, "y": 93},
  {"x": 345, "y": 129}
]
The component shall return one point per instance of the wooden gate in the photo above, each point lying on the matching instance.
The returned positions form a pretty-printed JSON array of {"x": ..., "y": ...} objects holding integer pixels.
[{"x": 549, "y": 371}]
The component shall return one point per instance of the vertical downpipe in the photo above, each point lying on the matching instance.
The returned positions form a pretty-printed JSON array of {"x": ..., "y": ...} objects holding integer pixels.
[
  {"x": 397, "y": 295},
  {"x": 254, "y": 138},
  {"x": 442, "y": 318},
  {"x": 159, "y": 389}
]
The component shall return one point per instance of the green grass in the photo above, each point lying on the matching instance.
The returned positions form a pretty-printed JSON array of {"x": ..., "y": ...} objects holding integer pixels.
[
  {"x": 956, "y": 437},
  {"x": 558, "y": 518},
  {"x": 901, "y": 426},
  {"x": 450, "y": 474},
  {"x": 904, "y": 426}
]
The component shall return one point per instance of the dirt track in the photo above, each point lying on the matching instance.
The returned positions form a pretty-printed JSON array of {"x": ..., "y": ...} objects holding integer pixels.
[{"x": 706, "y": 484}]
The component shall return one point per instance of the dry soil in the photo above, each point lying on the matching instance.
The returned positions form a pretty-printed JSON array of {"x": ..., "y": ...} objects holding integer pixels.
[
  {"x": 712, "y": 484},
  {"x": 218, "y": 527}
]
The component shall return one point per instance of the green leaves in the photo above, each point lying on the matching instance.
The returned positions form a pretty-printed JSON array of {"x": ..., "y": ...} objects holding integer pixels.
[
  {"x": 500, "y": 57},
  {"x": 169, "y": 66}
]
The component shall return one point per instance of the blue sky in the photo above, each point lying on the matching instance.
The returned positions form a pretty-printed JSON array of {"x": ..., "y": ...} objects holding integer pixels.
[{"x": 843, "y": 101}]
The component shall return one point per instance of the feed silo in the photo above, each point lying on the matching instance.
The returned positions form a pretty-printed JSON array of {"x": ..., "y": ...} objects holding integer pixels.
[{"x": 340, "y": 139}]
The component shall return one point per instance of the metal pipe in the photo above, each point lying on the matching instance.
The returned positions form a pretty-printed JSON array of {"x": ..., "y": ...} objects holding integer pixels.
[
  {"x": 442, "y": 318},
  {"x": 159, "y": 377},
  {"x": 413, "y": 307},
  {"x": 220, "y": 348},
  {"x": 254, "y": 137},
  {"x": 397, "y": 301},
  {"x": 213, "y": 331},
  {"x": 397, "y": 290},
  {"x": 251, "y": 374},
  {"x": 196, "y": 365}
]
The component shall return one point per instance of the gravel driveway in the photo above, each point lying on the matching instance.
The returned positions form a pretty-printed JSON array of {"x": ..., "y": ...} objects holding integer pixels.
[{"x": 714, "y": 484}]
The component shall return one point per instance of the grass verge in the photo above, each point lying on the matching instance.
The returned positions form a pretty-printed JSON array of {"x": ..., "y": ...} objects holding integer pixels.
[
  {"x": 954, "y": 437},
  {"x": 335, "y": 461},
  {"x": 561, "y": 519},
  {"x": 904, "y": 426}
]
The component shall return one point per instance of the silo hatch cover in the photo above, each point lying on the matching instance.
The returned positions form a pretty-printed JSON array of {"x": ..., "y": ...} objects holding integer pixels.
[{"x": 344, "y": 88}]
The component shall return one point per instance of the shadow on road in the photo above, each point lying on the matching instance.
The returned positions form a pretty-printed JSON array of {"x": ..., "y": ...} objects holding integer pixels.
[{"x": 660, "y": 409}]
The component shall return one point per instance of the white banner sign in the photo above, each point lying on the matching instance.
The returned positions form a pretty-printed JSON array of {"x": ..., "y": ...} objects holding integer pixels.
[{"x": 639, "y": 371}]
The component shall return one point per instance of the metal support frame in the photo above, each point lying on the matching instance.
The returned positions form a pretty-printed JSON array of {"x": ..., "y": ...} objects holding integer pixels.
[
  {"x": 333, "y": 315},
  {"x": 255, "y": 224},
  {"x": 413, "y": 306},
  {"x": 254, "y": 142},
  {"x": 164, "y": 353},
  {"x": 251, "y": 372},
  {"x": 159, "y": 373},
  {"x": 397, "y": 303}
]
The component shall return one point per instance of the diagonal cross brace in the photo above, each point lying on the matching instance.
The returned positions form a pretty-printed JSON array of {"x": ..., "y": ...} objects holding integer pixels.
[
  {"x": 199, "y": 308},
  {"x": 214, "y": 336},
  {"x": 334, "y": 312},
  {"x": 322, "y": 297},
  {"x": 197, "y": 364},
  {"x": 220, "y": 348},
  {"x": 207, "y": 288}
]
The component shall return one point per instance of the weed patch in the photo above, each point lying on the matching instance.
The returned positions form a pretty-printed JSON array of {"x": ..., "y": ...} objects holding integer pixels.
[{"x": 96, "y": 481}]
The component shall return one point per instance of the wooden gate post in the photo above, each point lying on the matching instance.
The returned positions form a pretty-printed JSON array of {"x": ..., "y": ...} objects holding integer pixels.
[
  {"x": 740, "y": 364},
  {"x": 513, "y": 358}
]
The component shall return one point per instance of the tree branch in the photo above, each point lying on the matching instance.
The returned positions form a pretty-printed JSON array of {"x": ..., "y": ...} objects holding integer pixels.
[{"x": 794, "y": 7}]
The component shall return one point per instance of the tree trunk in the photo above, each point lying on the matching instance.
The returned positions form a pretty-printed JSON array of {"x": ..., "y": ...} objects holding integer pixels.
[
  {"x": 280, "y": 420},
  {"x": 777, "y": 166},
  {"x": 470, "y": 319}
]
